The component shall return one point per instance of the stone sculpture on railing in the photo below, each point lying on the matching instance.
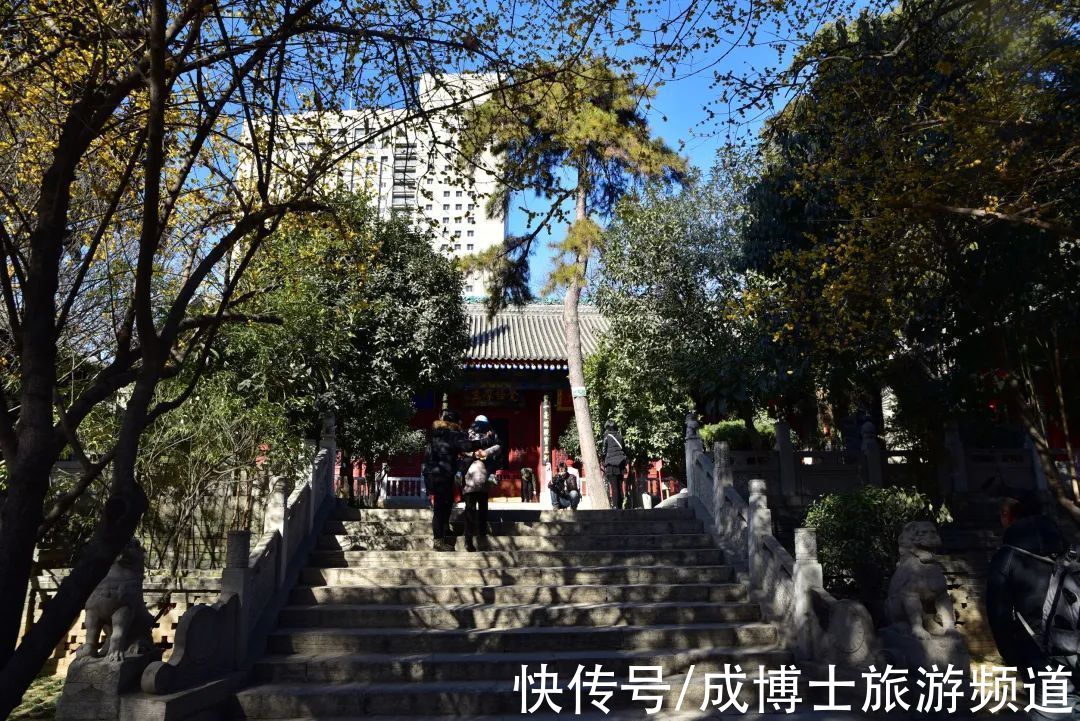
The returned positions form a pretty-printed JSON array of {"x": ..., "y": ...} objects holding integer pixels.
[
  {"x": 922, "y": 623},
  {"x": 104, "y": 670},
  {"x": 215, "y": 643},
  {"x": 827, "y": 629},
  {"x": 117, "y": 606}
]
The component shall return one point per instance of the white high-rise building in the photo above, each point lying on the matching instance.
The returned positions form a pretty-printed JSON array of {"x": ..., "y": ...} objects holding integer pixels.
[{"x": 414, "y": 166}]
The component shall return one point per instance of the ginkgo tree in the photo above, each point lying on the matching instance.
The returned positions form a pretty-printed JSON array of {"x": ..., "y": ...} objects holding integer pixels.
[
  {"x": 914, "y": 225},
  {"x": 581, "y": 140}
]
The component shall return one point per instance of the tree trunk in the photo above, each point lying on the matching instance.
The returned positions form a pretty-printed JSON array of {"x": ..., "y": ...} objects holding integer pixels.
[
  {"x": 124, "y": 508},
  {"x": 21, "y": 515},
  {"x": 1063, "y": 416},
  {"x": 575, "y": 363}
]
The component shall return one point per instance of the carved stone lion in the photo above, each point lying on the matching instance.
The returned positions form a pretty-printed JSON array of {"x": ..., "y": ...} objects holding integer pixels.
[
  {"x": 116, "y": 607},
  {"x": 918, "y": 600}
]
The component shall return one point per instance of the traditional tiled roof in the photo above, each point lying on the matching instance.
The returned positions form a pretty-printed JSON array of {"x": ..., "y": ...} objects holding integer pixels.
[{"x": 527, "y": 337}]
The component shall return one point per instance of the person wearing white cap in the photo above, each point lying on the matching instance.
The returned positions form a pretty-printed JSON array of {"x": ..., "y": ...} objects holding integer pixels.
[{"x": 479, "y": 478}]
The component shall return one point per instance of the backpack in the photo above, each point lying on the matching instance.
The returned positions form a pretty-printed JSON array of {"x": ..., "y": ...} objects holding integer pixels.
[{"x": 1058, "y": 635}]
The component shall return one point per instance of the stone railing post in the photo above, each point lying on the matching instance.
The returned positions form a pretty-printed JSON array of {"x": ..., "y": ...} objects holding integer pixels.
[
  {"x": 808, "y": 576},
  {"x": 327, "y": 442},
  {"x": 274, "y": 513},
  {"x": 274, "y": 520},
  {"x": 786, "y": 452},
  {"x": 694, "y": 448},
  {"x": 759, "y": 525},
  {"x": 954, "y": 476},
  {"x": 871, "y": 451},
  {"x": 236, "y": 578},
  {"x": 722, "y": 476}
]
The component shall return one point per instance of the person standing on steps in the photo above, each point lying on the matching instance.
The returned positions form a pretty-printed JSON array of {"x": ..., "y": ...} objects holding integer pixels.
[
  {"x": 614, "y": 462},
  {"x": 478, "y": 478},
  {"x": 564, "y": 490},
  {"x": 447, "y": 444},
  {"x": 528, "y": 485}
]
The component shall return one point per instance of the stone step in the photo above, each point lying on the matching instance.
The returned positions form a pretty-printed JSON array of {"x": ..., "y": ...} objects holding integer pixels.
[
  {"x": 688, "y": 592},
  {"x": 496, "y": 514},
  {"x": 456, "y": 699},
  {"x": 383, "y": 668},
  {"x": 505, "y": 576},
  {"x": 555, "y": 639},
  {"x": 484, "y": 616},
  {"x": 513, "y": 559},
  {"x": 571, "y": 525},
  {"x": 958, "y": 539},
  {"x": 579, "y": 542}
]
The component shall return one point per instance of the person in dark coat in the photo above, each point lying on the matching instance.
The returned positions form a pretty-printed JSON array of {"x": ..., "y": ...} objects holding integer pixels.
[
  {"x": 1017, "y": 582},
  {"x": 564, "y": 490},
  {"x": 614, "y": 462},
  {"x": 479, "y": 477},
  {"x": 528, "y": 485},
  {"x": 446, "y": 446}
]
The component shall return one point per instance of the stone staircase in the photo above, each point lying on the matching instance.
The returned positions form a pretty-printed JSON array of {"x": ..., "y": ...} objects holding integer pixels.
[
  {"x": 968, "y": 543},
  {"x": 382, "y": 626}
]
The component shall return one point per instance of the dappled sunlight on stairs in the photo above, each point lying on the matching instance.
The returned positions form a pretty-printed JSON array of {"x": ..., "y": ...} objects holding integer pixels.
[{"x": 382, "y": 626}]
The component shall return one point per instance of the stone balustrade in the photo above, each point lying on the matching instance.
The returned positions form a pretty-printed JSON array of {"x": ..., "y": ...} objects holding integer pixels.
[
  {"x": 816, "y": 626},
  {"x": 216, "y": 642}
]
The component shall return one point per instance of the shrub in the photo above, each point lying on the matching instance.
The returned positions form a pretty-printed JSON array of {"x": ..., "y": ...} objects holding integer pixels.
[
  {"x": 857, "y": 536},
  {"x": 737, "y": 435}
]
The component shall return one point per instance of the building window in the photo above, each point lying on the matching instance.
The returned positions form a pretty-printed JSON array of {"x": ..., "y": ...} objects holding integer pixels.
[
  {"x": 457, "y": 219},
  {"x": 446, "y": 194},
  {"x": 457, "y": 234},
  {"x": 457, "y": 206},
  {"x": 430, "y": 181},
  {"x": 469, "y": 246},
  {"x": 446, "y": 206},
  {"x": 468, "y": 289},
  {"x": 427, "y": 207},
  {"x": 471, "y": 233},
  {"x": 458, "y": 193},
  {"x": 457, "y": 246},
  {"x": 446, "y": 221},
  {"x": 471, "y": 206}
]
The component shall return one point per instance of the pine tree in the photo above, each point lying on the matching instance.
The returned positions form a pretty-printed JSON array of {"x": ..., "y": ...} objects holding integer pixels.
[{"x": 582, "y": 138}]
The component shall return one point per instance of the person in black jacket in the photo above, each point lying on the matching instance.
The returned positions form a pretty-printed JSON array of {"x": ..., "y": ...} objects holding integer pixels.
[
  {"x": 441, "y": 462},
  {"x": 1016, "y": 583},
  {"x": 614, "y": 463},
  {"x": 564, "y": 490}
]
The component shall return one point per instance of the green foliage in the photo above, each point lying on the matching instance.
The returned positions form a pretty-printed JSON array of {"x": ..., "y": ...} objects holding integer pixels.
[
  {"x": 670, "y": 283},
  {"x": 738, "y": 436},
  {"x": 857, "y": 537},
  {"x": 200, "y": 467},
  {"x": 623, "y": 386},
  {"x": 916, "y": 208},
  {"x": 39, "y": 701},
  {"x": 365, "y": 314},
  {"x": 582, "y": 136},
  {"x": 372, "y": 315},
  {"x": 570, "y": 442}
]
